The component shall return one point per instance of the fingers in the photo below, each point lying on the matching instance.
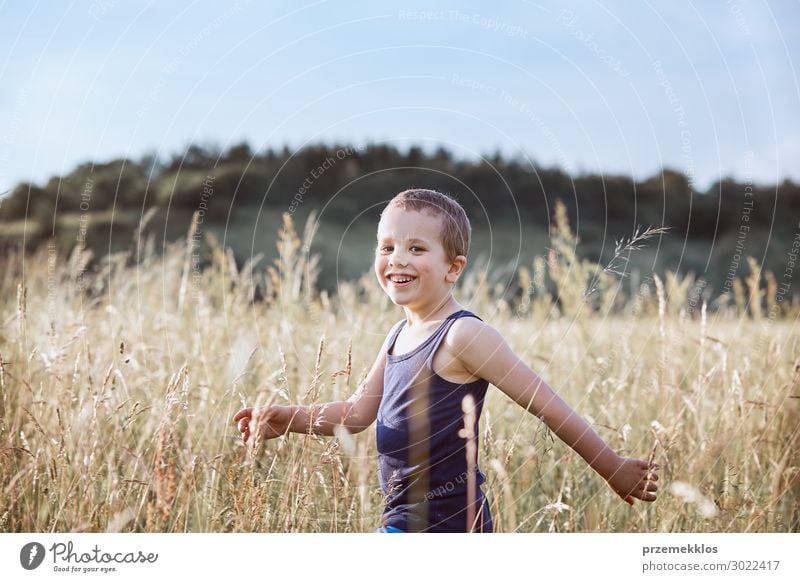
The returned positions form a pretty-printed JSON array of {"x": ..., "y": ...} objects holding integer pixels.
[
  {"x": 242, "y": 413},
  {"x": 647, "y": 491},
  {"x": 244, "y": 428},
  {"x": 645, "y": 487},
  {"x": 243, "y": 418},
  {"x": 648, "y": 496},
  {"x": 648, "y": 482},
  {"x": 254, "y": 420},
  {"x": 651, "y": 471}
]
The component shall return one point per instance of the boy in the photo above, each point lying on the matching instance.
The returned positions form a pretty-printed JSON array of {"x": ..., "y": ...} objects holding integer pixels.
[{"x": 428, "y": 383}]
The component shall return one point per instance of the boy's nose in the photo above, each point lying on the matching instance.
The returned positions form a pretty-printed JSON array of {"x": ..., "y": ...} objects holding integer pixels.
[{"x": 398, "y": 259}]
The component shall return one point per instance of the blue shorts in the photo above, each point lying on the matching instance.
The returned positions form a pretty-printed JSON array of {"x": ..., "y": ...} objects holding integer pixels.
[{"x": 389, "y": 529}]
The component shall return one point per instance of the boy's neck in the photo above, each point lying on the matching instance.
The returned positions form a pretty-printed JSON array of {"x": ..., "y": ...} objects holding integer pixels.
[{"x": 436, "y": 312}]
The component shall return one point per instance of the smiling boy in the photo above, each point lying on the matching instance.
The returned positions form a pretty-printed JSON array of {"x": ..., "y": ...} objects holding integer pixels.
[{"x": 436, "y": 365}]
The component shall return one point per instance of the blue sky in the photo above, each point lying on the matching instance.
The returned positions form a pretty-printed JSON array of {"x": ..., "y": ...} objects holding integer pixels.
[{"x": 708, "y": 88}]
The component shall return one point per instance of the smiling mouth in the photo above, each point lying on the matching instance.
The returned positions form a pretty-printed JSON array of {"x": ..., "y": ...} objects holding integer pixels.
[{"x": 400, "y": 280}]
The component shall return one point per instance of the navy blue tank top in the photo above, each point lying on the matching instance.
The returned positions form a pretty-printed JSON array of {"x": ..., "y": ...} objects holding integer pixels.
[{"x": 422, "y": 459}]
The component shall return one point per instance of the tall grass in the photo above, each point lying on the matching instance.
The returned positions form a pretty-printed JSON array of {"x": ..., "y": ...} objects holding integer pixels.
[{"x": 117, "y": 386}]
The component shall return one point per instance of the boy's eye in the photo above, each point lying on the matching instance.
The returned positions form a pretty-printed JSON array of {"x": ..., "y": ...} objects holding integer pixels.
[{"x": 389, "y": 249}]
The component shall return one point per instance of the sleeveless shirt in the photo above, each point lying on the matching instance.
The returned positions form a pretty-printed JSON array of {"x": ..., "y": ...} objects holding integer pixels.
[{"x": 422, "y": 459}]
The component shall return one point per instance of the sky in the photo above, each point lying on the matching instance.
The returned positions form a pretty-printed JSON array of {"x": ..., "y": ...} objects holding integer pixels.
[{"x": 625, "y": 88}]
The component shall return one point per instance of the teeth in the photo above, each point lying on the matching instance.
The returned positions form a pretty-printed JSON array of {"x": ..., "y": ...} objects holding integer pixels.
[{"x": 397, "y": 279}]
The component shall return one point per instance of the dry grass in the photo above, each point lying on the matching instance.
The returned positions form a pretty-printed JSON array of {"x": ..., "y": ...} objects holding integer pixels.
[{"x": 117, "y": 387}]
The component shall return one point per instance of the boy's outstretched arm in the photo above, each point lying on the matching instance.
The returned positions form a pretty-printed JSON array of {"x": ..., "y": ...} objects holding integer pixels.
[
  {"x": 484, "y": 352},
  {"x": 355, "y": 414}
]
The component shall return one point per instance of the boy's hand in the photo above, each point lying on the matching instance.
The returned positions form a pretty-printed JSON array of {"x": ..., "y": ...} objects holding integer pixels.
[
  {"x": 634, "y": 478},
  {"x": 265, "y": 423}
]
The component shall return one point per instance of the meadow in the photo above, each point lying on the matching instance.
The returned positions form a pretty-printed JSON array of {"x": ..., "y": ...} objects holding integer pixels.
[{"x": 119, "y": 377}]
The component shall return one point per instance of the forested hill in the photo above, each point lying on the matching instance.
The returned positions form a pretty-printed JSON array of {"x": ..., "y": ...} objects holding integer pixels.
[{"x": 348, "y": 184}]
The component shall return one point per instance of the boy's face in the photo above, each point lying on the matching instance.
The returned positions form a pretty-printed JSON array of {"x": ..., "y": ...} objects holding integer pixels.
[{"x": 409, "y": 249}]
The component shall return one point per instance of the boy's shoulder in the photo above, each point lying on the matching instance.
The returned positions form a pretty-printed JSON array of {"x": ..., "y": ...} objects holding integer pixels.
[
  {"x": 480, "y": 349},
  {"x": 467, "y": 323},
  {"x": 471, "y": 333}
]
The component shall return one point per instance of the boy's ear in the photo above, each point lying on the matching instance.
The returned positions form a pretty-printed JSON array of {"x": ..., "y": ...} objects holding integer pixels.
[{"x": 457, "y": 267}]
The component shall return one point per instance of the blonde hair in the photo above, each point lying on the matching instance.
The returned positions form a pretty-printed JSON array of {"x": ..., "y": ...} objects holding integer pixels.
[{"x": 456, "y": 230}]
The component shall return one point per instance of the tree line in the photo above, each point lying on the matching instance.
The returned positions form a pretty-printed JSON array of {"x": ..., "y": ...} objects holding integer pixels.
[{"x": 346, "y": 181}]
